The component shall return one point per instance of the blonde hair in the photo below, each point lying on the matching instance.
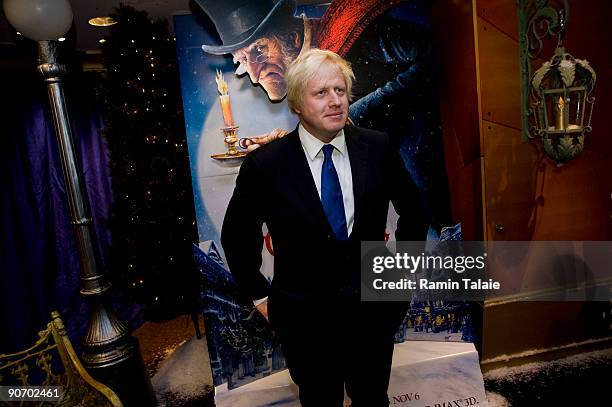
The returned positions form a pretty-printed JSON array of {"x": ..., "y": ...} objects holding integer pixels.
[{"x": 305, "y": 68}]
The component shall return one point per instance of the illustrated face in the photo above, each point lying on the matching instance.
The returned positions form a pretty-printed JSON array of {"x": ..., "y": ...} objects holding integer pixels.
[
  {"x": 324, "y": 108},
  {"x": 265, "y": 62}
]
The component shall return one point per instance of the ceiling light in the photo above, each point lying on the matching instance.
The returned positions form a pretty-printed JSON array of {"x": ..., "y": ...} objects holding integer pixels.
[
  {"x": 102, "y": 40},
  {"x": 61, "y": 39},
  {"x": 102, "y": 21}
]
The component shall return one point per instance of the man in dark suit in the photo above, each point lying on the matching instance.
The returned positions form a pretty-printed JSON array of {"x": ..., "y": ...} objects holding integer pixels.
[{"x": 321, "y": 190}]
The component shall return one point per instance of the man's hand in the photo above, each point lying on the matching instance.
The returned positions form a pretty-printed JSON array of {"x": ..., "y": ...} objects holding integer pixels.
[
  {"x": 263, "y": 309},
  {"x": 253, "y": 143}
]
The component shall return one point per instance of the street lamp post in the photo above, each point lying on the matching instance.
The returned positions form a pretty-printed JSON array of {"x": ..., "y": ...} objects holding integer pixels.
[{"x": 110, "y": 353}]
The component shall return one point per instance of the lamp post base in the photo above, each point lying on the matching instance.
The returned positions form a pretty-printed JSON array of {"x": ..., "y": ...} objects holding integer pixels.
[{"x": 112, "y": 356}]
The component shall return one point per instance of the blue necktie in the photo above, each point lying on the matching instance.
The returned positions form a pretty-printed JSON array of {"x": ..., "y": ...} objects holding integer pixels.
[{"x": 331, "y": 195}]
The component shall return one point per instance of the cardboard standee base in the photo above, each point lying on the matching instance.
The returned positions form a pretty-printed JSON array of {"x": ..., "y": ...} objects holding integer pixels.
[{"x": 423, "y": 374}]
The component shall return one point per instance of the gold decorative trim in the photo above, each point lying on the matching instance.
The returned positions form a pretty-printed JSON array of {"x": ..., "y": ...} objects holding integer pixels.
[{"x": 78, "y": 386}]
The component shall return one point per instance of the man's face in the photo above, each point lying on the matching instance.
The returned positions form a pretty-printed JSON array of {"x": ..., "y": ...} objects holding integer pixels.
[
  {"x": 324, "y": 108},
  {"x": 265, "y": 62}
]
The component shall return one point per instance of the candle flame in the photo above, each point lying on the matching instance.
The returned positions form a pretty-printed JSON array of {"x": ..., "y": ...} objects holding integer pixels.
[
  {"x": 221, "y": 84},
  {"x": 561, "y": 103}
]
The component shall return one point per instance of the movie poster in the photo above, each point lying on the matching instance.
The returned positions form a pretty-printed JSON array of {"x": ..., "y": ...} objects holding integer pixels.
[{"x": 231, "y": 95}]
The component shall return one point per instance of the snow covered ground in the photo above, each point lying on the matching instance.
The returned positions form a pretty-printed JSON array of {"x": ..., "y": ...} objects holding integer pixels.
[
  {"x": 184, "y": 379},
  {"x": 578, "y": 380},
  {"x": 497, "y": 400}
]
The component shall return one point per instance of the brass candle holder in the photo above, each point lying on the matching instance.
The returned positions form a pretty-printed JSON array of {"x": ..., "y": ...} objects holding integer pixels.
[{"x": 230, "y": 138}]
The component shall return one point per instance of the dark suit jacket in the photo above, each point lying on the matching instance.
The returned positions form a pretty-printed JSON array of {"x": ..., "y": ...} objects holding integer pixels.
[{"x": 275, "y": 186}]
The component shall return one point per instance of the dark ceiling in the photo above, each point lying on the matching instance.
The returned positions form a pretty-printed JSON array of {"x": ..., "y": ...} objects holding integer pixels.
[{"x": 87, "y": 36}]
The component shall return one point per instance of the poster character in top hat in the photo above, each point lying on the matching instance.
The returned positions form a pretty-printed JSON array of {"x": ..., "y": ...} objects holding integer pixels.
[{"x": 263, "y": 37}]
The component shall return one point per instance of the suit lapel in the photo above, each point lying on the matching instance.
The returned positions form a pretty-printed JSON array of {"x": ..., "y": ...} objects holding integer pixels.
[
  {"x": 298, "y": 171},
  {"x": 358, "y": 155}
]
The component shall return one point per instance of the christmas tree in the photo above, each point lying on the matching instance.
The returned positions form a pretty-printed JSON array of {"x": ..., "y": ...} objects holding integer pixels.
[{"x": 152, "y": 218}]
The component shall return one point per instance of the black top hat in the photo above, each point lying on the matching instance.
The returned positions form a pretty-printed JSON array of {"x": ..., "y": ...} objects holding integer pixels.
[{"x": 240, "y": 22}]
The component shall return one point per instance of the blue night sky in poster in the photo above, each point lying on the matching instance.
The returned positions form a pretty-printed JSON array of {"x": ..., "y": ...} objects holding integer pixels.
[
  {"x": 253, "y": 112},
  {"x": 197, "y": 98}
]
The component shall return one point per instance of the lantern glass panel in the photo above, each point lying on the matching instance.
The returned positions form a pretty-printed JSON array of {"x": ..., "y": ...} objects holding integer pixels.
[{"x": 575, "y": 104}]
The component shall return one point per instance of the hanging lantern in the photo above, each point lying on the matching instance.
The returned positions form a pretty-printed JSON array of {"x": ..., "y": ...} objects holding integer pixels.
[{"x": 563, "y": 107}]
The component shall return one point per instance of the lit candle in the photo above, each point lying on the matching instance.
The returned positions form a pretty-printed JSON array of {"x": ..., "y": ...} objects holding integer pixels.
[
  {"x": 224, "y": 99},
  {"x": 560, "y": 122}
]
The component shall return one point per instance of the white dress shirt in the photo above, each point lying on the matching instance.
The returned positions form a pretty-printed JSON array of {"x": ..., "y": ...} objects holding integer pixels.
[{"x": 313, "y": 148}]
